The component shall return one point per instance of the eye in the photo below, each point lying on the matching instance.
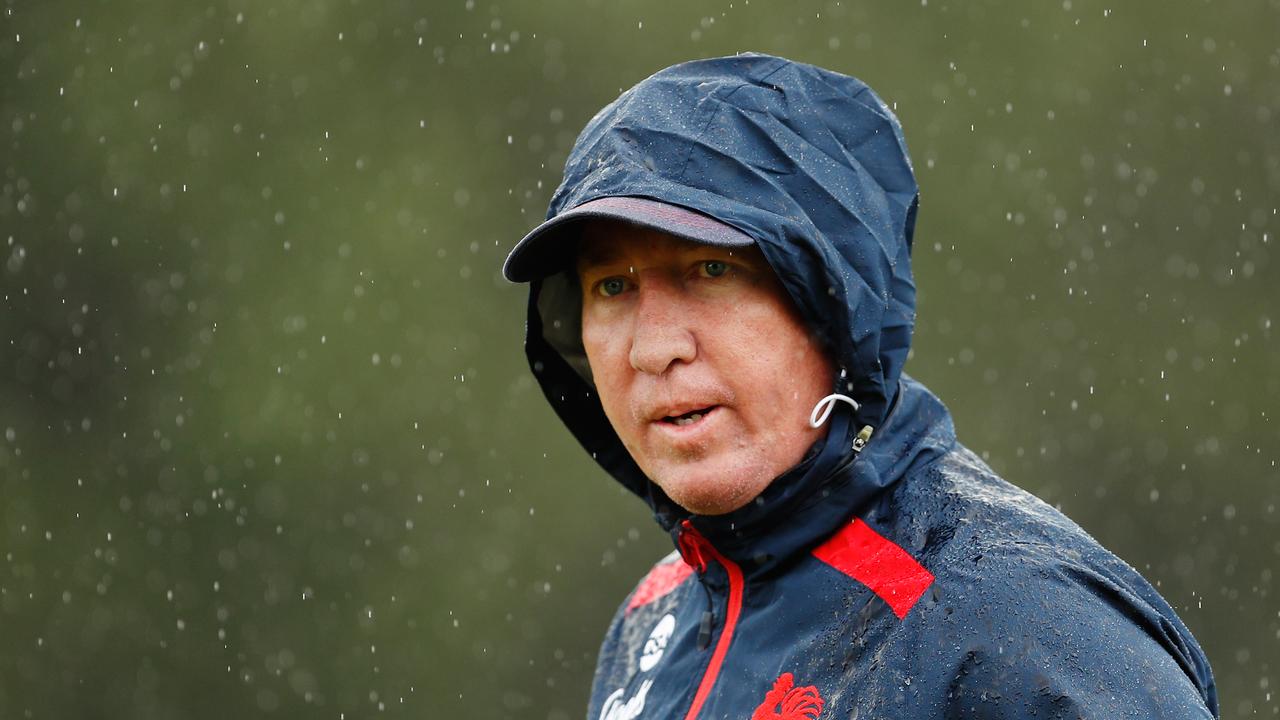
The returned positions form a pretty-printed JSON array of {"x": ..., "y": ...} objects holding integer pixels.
[
  {"x": 610, "y": 287},
  {"x": 714, "y": 268}
]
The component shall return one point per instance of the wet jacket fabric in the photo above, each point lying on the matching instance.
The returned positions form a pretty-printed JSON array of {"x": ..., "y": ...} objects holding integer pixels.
[{"x": 901, "y": 580}]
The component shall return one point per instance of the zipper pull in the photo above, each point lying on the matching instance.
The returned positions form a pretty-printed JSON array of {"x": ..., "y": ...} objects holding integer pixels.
[
  {"x": 691, "y": 549},
  {"x": 704, "y": 630},
  {"x": 860, "y": 441}
]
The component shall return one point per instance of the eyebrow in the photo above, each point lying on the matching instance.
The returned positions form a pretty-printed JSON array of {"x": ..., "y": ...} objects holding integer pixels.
[{"x": 592, "y": 254}]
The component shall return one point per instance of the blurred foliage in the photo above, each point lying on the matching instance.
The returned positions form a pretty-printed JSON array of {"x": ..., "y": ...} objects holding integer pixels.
[{"x": 268, "y": 444}]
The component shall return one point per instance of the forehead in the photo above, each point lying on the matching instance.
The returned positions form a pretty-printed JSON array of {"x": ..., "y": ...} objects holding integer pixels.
[{"x": 608, "y": 242}]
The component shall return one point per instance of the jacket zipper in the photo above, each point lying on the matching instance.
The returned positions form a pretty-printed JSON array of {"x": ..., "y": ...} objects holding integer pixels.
[{"x": 695, "y": 549}]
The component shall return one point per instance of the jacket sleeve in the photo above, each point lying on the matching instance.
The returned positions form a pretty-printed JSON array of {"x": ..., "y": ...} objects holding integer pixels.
[{"x": 1066, "y": 640}]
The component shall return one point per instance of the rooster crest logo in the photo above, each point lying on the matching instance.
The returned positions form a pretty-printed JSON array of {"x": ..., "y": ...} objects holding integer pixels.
[{"x": 787, "y": 702}]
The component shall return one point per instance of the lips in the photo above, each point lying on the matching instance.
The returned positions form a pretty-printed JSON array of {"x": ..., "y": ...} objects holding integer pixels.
[{"x": 688, "y": 418}]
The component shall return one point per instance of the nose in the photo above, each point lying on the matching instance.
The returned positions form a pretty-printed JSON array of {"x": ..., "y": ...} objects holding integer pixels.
[{"x": 662, "y": 334}]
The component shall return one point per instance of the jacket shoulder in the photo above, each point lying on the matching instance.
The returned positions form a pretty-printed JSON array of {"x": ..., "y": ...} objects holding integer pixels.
[
  {"x": 958, "y": 508},
  {"x": 1028, "y": 605},
  {"x": 664, "y": 577}
]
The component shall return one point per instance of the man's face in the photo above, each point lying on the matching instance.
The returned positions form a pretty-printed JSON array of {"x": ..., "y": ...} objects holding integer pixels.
[{"x": 703, "y": 366}]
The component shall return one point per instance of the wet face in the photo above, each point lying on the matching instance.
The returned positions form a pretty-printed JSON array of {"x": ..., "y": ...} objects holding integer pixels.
[{"x": 703, "y": 366}]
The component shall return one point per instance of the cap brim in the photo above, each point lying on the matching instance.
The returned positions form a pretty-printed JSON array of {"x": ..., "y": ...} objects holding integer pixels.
[{"x": 544, "y": 250}]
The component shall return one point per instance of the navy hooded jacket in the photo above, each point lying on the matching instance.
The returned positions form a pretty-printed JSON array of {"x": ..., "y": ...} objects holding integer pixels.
[{"x": 901, "y": 580}]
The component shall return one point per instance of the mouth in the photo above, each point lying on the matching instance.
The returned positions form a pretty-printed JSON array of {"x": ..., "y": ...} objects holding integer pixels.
[{"x": 689, "y": 418}]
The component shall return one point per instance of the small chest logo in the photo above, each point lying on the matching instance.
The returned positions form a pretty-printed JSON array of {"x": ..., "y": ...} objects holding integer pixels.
[
  {"x": 788, "y": 702},
  {"x": 656, "y": 645}
]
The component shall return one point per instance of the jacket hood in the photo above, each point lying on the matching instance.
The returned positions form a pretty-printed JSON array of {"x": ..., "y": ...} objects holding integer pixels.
[{"x": 811, "y": 164}]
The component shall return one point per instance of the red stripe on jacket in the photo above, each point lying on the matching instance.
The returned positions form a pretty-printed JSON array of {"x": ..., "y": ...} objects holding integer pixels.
[
  {"x": 733, "y": 610},
  {"x": 866, "y": 556},
  {"x": 661, "y": 580}
]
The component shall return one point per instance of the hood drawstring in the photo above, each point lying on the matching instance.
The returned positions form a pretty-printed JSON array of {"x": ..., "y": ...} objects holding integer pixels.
[{"x": 826, "y": 405}]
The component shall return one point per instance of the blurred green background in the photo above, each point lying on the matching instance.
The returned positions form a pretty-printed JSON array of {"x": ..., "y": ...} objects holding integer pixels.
[{"x": 268, "y": 443}]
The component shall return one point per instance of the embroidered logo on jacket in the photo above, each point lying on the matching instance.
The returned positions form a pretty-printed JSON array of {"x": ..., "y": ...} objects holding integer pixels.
[
  {"x": 656, "y": 645},
  {"x": 787, "y": 702},
  {"x": 615, "y": 709}
]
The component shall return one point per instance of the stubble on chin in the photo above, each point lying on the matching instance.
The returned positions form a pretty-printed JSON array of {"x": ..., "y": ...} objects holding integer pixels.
[{"x": 706, "y": 490}]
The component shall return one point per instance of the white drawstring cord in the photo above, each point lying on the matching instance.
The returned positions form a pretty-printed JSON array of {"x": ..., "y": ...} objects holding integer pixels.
[{"x": 826, "y": 405}]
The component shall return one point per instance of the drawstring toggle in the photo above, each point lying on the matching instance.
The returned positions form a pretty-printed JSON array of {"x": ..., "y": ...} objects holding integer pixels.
[{"x": 823, "y": 409}]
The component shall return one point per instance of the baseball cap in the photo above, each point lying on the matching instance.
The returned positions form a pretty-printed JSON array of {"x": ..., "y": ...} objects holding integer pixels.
[{"x": 548, "y": 248}]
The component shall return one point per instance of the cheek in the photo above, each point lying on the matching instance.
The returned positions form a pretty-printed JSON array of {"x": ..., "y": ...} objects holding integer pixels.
[
  {"x": 596, "y": 341},
  {"x": 783, "y": 364},
  {"x": 608, "y": 359}
]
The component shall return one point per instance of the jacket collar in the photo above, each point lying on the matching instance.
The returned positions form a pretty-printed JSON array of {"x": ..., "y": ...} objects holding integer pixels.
[{"x": 808, "y": 503}]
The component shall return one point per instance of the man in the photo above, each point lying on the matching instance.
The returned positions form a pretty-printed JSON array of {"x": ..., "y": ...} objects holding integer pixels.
[{"x": 721, "y": 304}]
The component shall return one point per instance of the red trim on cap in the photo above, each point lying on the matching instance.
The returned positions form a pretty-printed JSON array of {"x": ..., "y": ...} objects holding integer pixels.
[
  {"x": 660, "y": 581},
  {"x": 866, "y": 556}
]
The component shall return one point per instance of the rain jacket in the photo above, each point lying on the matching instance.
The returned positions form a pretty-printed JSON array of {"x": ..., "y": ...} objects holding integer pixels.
[{"x": 900, "y": 579}]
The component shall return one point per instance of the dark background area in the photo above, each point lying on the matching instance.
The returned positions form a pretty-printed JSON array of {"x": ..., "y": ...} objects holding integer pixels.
[{"x": 268, "y": 443}]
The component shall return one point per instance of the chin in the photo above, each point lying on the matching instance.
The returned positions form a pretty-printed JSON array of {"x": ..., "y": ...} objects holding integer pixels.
[
  {"x": 708, "y": 491},
  {"x": 709, "y": 506}
]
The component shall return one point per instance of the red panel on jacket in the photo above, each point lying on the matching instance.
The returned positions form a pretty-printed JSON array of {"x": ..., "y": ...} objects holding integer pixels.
[
  {"x": 866, "y": 556},
  {"x": 661, "y": 580}
]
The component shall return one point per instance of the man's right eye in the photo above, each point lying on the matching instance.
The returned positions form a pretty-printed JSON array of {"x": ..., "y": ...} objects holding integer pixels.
[{"x": 611, "y": 286}]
